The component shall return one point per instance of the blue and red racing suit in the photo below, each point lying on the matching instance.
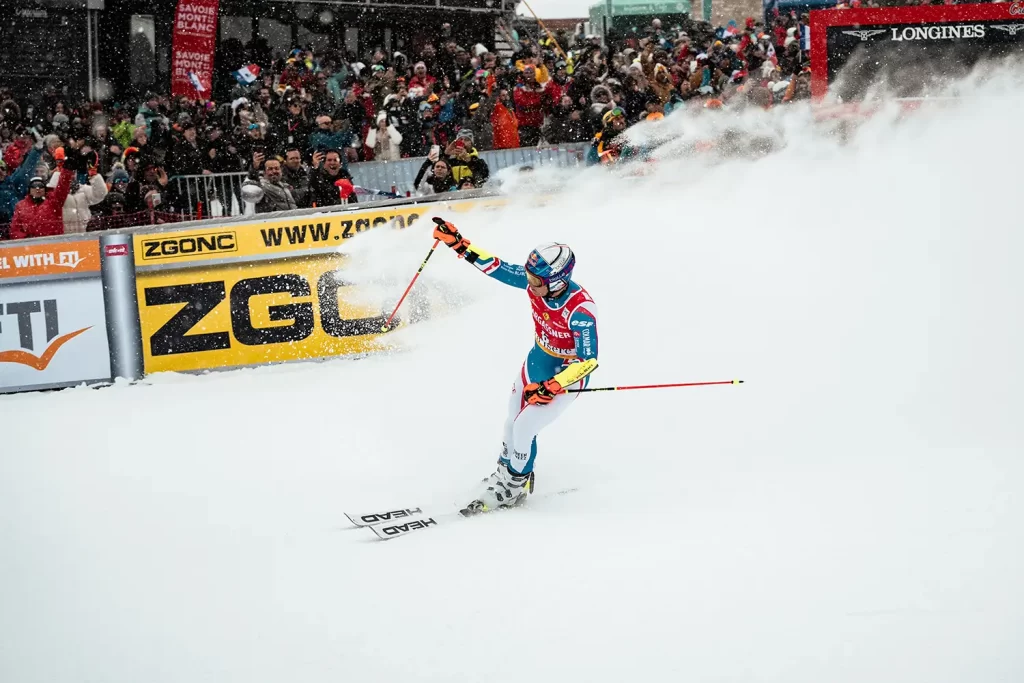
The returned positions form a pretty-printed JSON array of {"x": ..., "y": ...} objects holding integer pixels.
[{"x": 565, "y": 349}]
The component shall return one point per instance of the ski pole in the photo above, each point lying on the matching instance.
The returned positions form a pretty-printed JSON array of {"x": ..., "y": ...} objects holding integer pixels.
[
  {"x": 655, "y": 386},
  {"x": 387, "y": 325}
]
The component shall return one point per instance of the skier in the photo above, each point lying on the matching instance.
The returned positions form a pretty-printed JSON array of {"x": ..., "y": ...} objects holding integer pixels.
[{"x": 563, "y": 356}]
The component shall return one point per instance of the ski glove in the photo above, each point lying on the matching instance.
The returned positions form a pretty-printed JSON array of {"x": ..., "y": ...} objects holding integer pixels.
[
  {"x": 543, "y": 393},
  {"x": 450, "y": 235}
]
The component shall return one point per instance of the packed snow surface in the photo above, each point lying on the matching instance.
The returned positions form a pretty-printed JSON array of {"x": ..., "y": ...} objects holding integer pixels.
[{"x": 852, "y": 513}]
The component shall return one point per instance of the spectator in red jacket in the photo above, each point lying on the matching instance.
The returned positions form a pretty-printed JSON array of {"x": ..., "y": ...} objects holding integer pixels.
[
  {"x": 421, "y": 79},
  {"x": 556, "y": 88},
  {"x": 39, "y": 215},
  {"x": 529, "y": 107}
]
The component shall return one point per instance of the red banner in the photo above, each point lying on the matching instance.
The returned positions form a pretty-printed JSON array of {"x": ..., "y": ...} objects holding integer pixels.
[{"x": 195, "y": 38}]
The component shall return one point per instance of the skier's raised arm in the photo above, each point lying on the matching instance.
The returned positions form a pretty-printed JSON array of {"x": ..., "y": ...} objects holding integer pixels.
[{"x": 509, "y": 273}]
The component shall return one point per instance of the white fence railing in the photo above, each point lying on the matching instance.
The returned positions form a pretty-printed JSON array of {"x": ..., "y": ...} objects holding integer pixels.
[{"x": 220, "y": 193}]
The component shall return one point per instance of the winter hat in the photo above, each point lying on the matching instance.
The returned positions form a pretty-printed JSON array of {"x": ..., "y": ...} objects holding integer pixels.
[
  {"x": 419, "y": 64},
  {"x": 382, "y": 116},
  {"x": 465, "y": 134},
  {"x": 119, "y": 176},
  {"x": 60, "y": 120},
  {"x": 37, "y": 182},
  {"x": 115, "y": 198}
]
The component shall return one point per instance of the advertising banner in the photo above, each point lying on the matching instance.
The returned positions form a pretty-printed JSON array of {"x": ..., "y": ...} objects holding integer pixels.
[
  {"x": 192, "y": 45},
  {"x": 75, "y": 310},
  {"x": 301, "y": 233},
  {"x": 59, "y": 258},
  {"x": 252, "y": 313},
  {"x": 52, "y": 333},
  {"x": 909, "y": 50}
]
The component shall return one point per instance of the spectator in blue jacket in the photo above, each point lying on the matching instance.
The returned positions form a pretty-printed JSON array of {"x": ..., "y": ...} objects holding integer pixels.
[{"x": 330, "y": 135}]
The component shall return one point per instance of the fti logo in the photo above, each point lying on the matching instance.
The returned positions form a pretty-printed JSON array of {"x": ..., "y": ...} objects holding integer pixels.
[
  {"x": 21, "y": 317},
  {"x": 61, "y": 259}
]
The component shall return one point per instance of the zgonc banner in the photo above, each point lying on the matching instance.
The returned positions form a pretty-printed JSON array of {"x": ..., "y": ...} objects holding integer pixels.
[
  {"x": 246, "y": 294},
  {"x": 192, "y": 47}
]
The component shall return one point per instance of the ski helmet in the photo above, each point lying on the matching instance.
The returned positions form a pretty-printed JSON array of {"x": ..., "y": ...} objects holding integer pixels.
[{"x": 552, "y": 263}]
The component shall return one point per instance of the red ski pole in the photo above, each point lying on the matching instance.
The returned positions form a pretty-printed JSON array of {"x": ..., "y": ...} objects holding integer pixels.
[
  {"x": 387, "y": 325},
  {"x": 655, "y": 386}
]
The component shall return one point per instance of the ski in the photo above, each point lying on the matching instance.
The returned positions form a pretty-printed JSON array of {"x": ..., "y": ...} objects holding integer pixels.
[
  {"x": 404, "y": 521},
  {"x": 386, "y": 532},
  {"x": 385, "y": 516}
]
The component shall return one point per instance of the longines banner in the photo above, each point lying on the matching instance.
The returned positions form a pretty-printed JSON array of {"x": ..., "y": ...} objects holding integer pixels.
[
  {"x": 192, "y": 46},
  {"x": 911, "y": 50}
]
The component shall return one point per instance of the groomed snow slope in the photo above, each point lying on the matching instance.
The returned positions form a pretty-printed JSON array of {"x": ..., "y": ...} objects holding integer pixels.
[{"x": 853, "y": 513}]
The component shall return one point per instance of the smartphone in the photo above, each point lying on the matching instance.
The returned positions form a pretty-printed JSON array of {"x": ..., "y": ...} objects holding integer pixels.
[{"x": 435, "y": 151}]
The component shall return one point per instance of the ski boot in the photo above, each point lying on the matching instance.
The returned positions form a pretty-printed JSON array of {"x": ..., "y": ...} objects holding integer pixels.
[{"x": 504, "y": 489}]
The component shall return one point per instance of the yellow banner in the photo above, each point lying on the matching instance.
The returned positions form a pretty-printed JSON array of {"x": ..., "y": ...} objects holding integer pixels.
[
  {"x": 295, "y": 234},
  {"x": 252, "y": 313}
]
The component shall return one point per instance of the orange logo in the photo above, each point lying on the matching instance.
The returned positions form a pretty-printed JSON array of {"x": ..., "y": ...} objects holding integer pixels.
[
  {"x": 48, "y": 259},
  {"x": 40, "y": 362}
]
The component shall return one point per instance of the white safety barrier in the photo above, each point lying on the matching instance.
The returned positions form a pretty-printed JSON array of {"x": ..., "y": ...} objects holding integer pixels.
[
  {"x": 400, "y": 175},
  {"x": 220, "y": 193}
]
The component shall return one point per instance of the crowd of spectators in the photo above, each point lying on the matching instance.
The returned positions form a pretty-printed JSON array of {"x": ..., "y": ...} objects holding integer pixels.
[{"x": 309, "y": 114}]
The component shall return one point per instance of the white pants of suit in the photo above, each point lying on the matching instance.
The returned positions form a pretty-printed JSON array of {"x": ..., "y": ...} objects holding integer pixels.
[{"x": 524, "y": 422}]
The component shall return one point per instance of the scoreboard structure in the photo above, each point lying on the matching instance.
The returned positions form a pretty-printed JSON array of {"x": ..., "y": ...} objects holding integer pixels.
[{"x": 909, "y": 51}]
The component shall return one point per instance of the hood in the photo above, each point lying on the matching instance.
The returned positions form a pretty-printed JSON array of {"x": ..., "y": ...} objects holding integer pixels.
[{"x": 597, "y": 89}]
